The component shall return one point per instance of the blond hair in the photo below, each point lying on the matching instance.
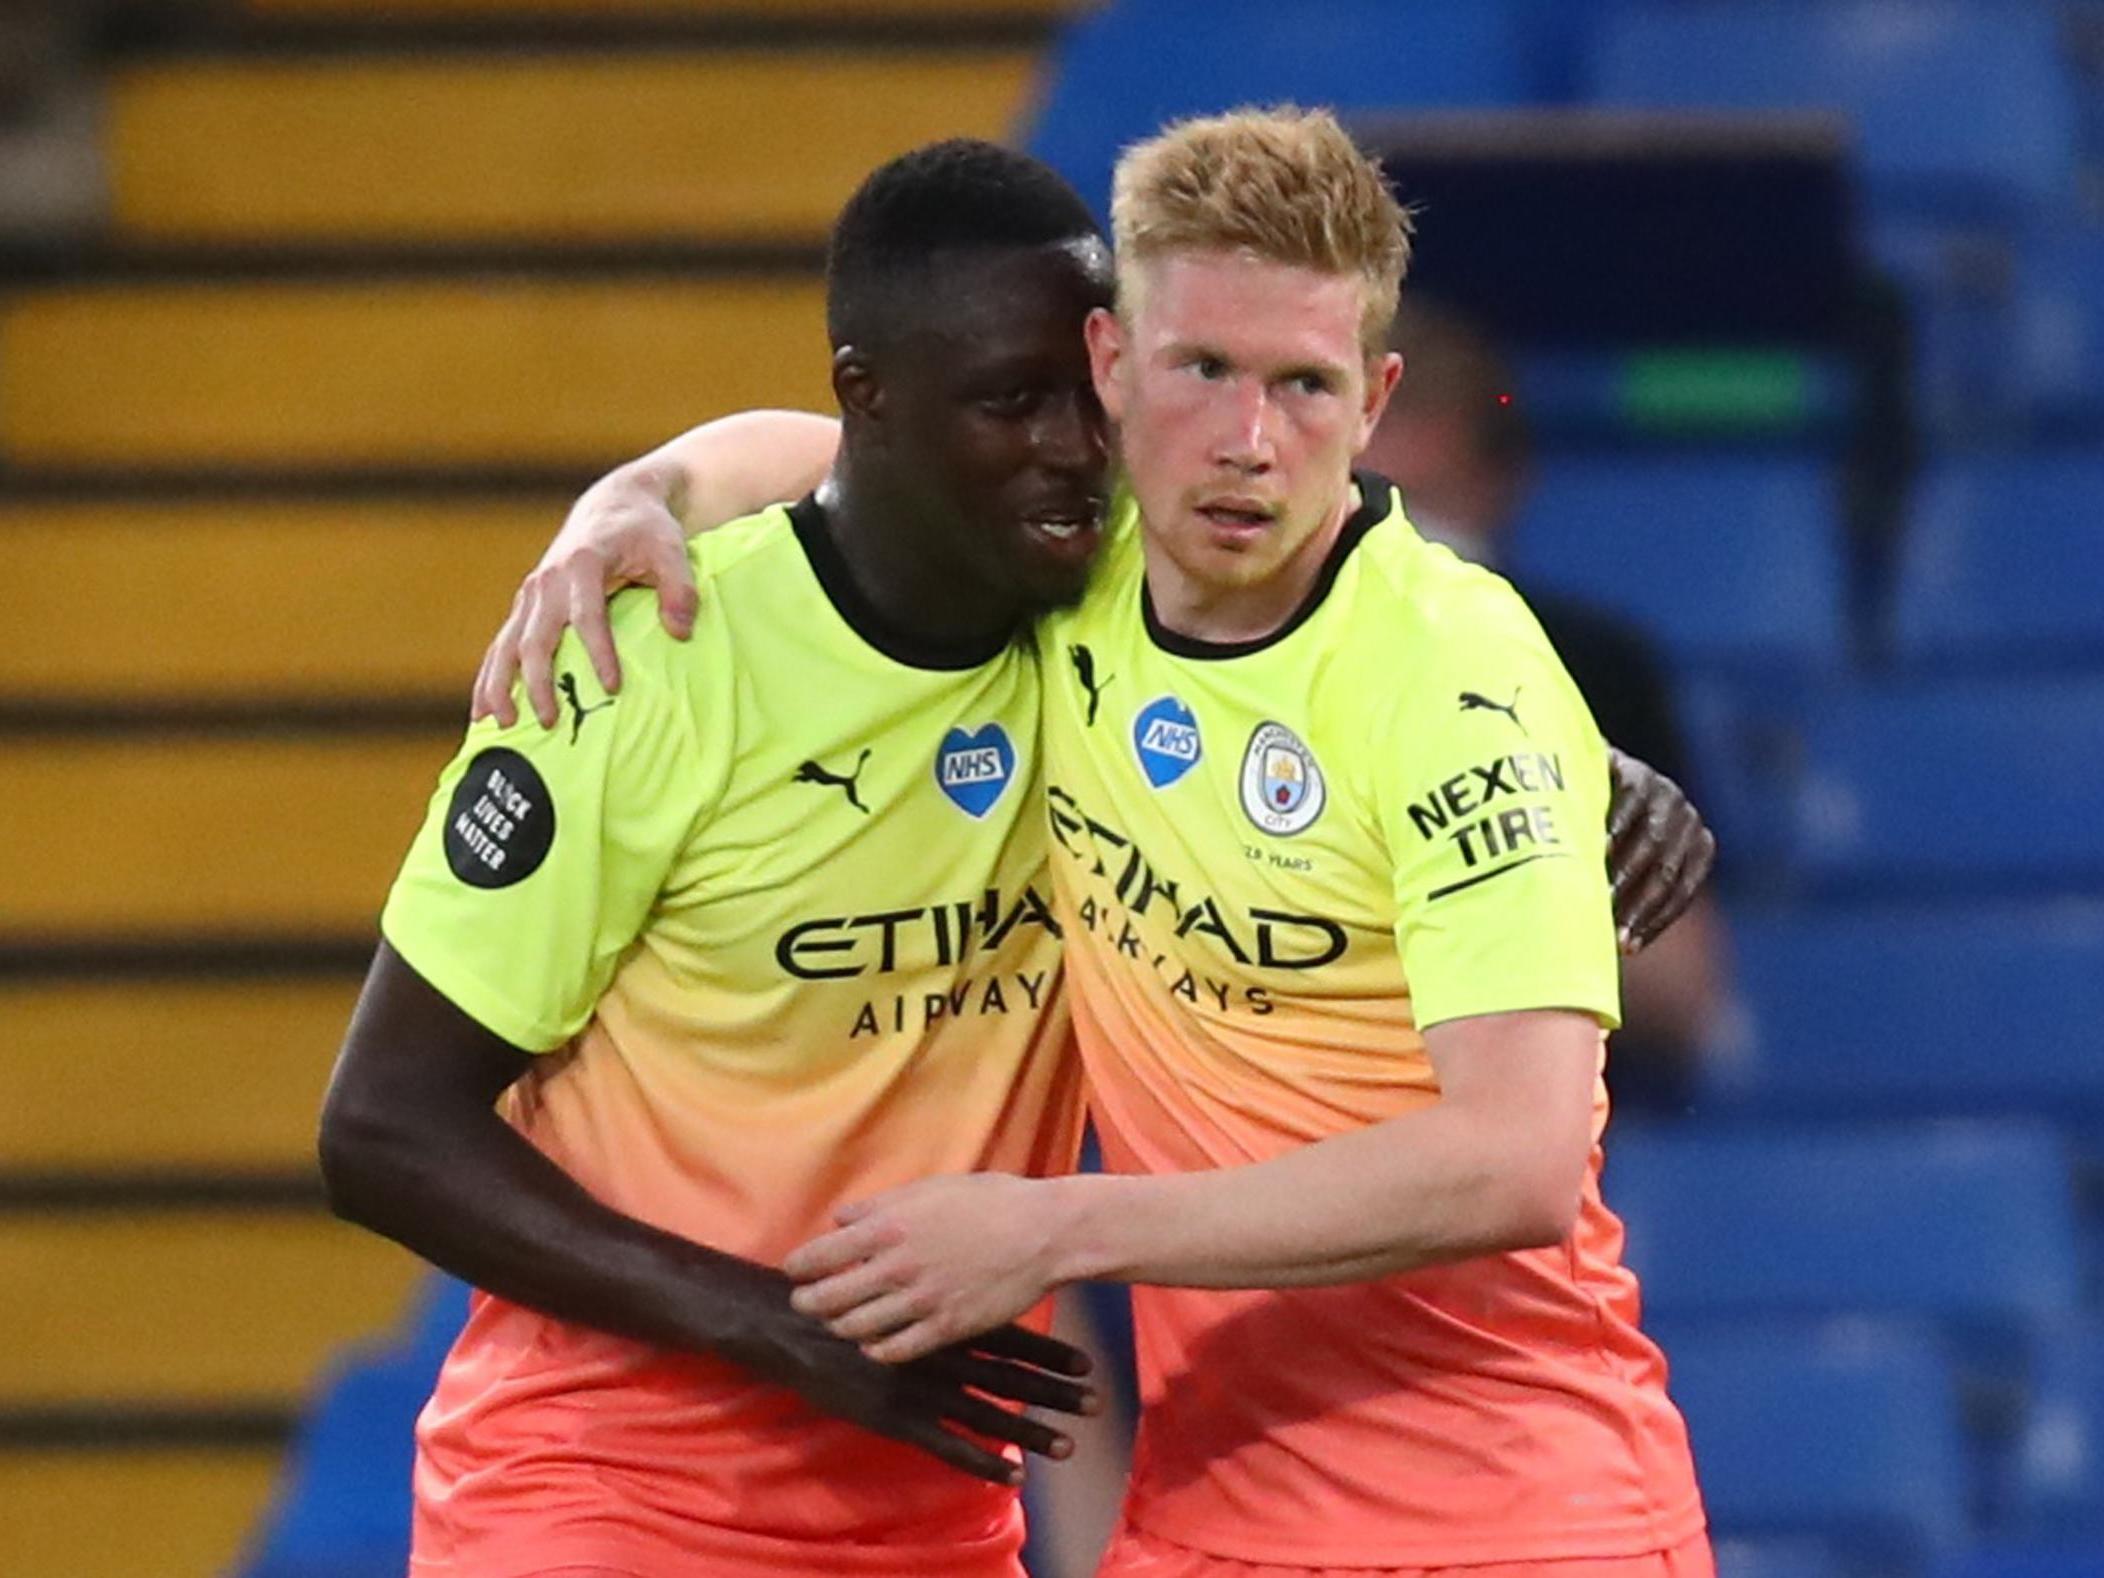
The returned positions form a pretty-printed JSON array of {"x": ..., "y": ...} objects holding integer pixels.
[{"x": 1286, "y": 185}]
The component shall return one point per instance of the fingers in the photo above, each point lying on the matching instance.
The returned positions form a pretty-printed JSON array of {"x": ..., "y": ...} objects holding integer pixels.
[
  {"x": 959, "y": 1453},
  {"x": 542, "y": 631},
  {"x": 834, "y": 1252},
  {"x": 1003, "y": 1424},
  {"x": 500, "y": 661},
  {"x": 873, "y": 1321},
  {"x": 831, "y": 1297},
  {"x": 587, "y": 606},
  {"x": 672, "y": 574},
  {"x": 905, "y": 1343},
  {"x": 1681, "y": 875},
  {"x": 1033, "y": 1348},
  {"x": 1015, "y": 1383}
]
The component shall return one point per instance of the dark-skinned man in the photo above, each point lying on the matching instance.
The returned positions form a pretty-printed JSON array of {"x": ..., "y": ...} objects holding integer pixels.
[{"x": 768, "y": 930}]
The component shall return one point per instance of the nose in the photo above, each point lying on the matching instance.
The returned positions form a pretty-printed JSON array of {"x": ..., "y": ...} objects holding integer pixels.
[{"x": 1245, "y": 441}]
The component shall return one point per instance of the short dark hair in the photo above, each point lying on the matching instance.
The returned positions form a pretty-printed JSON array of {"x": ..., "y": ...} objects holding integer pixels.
[{"x": 959, "y": 195}]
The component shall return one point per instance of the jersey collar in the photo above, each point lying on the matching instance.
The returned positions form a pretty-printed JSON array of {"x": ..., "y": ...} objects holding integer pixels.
[{"x": 861, "y": 615}]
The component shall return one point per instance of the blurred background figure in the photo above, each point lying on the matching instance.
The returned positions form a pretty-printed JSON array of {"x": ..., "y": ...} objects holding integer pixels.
[{"x": 1455, "y": 439}]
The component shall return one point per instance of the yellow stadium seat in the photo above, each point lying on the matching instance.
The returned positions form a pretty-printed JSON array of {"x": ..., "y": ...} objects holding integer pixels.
[
  {"x": 157, "y": 1074},
  {"x": 125, "y": 1514},
  {"x": 424, "y": 373},
  {"x": 361, "y": 600},
  {"x": 160, "y": 836},
  {"x": 219, "y": 1306},
  {"x": 712, "y": 145}
]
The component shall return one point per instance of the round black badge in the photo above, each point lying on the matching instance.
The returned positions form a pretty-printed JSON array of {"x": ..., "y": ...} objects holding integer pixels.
[{"x": 501, "y": 821}]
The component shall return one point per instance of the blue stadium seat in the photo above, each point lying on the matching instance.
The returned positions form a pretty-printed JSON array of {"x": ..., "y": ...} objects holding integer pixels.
[
  {"x": 1867, "y": 1011},
  {"x": 1724, "y": 557},
  {"x": 1980, "y": 784},
  {"x": 1848, "y": 1430},
  {"x": 2058, "y": 1489},
  {"x": 1972, "y": 1224},
  {"x": 1738, "y": 1557},
  {"x": 1965, "y": 109},
  {"x": 2057, "y": 348},
  {"x": 1119, "y": 72},
  {"x": 2004, "y": 558},
  {"x": 341, "y": 1509},
  {"x": 2000, "y": 1559}
]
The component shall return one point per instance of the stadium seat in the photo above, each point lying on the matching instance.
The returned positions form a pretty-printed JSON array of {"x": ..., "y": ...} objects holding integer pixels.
[
  {"x": 341, "y": 1509},
  {"x": 1999, "y": 1559},
  {"x": 1724, "y": 557},
  {"x": 1962, "y": 109},
  {"x": 2057, "y": 1489},
  {"x": 2004, "y": 558},
  {"x": 1114, "y": 79},
  {"x": 1866, "y": 1011},
  {"x": 1846, "y": 1430},
  {"x": 1982, "y": 784},
  {"x": 2058, "y": 347},
  {"x": 1777, "y": 1558},
  {"x": 1972, "y": 1224}
]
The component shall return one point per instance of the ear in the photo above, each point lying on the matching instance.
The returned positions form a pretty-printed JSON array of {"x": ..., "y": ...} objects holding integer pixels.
[
  {"x": 1106, "y": 341},
  {"x": 1382, "y": 376},
  {"x": 856, "y": 385}
]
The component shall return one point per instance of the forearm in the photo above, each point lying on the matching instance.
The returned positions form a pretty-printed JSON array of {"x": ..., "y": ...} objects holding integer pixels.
[
  {"x": 733, "y": 466},
  {"x": 489, "y": 1208},
  {"x": 1423, "y": 1189}
]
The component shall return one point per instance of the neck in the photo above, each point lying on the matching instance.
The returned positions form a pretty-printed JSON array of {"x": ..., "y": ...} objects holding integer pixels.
[
  {"x": 877, "y": 529},
  {"x": 1210, "y": 611}
]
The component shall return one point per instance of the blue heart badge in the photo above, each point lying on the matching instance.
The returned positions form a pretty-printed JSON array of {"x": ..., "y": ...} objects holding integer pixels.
[
  {"x": 1165, "y": 736},
  {"x": 973, "y": 769}
]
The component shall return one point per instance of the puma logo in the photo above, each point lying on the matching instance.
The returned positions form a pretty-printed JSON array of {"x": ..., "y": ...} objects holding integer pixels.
[
  {"x": 809, "y": 772},
  {"x": 567, "y": 684},
  {"x": 1472, "y": 702},
  {"x": 1085, "y": 671}
]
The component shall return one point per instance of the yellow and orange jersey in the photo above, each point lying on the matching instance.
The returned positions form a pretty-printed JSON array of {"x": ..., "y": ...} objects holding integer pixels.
[
  {"x": 1279, "y": 861},
  {"x": 778, "y": 914}
]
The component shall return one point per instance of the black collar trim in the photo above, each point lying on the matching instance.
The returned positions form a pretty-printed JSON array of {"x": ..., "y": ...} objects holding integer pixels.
[
  {"x": 1376, "y": 503},
  {"x": 863, "y": 616}
]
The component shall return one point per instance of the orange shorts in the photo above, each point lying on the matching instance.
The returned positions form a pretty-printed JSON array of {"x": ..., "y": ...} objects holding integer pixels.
[{"x": 1134, "y": 1554}]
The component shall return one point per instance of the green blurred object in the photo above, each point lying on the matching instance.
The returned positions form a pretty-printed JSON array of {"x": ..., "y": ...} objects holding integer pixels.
[{"x": 1718, "y": 391}]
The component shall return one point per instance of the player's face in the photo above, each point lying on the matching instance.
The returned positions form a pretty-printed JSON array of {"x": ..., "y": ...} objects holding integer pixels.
[
  {"x": 1241, "y": 392},
  {"x": 1005, "y": 432}
]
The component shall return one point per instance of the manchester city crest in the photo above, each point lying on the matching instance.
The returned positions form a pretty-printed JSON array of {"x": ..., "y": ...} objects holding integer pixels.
[{"x": 1282, "y": 787}]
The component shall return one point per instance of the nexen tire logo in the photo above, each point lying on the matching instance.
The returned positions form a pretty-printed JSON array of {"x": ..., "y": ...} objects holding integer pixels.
[{"x": 1165, "y": 738}]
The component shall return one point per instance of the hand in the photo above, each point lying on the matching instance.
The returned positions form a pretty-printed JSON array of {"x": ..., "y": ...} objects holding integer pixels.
[
  {"x": 1659, "y": 852},
  {"x": 929, "y": 1402},
  {"x": 929, "y": 1263},
  {"x": 622, "y": 531}
]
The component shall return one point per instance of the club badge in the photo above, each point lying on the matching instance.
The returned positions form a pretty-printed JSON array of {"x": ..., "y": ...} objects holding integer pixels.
[{"x": 1282, "y": 787}]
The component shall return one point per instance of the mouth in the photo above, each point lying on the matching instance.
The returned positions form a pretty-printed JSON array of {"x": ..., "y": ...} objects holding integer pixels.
[
  {"x": 1237, "y": 519},
  {"x": 1067, "y": 532}
]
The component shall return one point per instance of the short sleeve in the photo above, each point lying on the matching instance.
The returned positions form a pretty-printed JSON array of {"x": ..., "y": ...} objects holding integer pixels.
[
  {"x": 1495, "y": 815},
  {"x": 544, "y": 850}
]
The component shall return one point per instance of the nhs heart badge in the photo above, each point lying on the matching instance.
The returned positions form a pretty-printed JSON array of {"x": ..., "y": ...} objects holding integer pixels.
[
  {"x": 973, "y": 769},
  {"x": 1165, "y": 738}
]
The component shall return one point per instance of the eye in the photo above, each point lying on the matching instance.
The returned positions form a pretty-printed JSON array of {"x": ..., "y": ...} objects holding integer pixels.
[
  {"x": 1018, "y": 401},
  {"x": 1210, "y": 368},
  {"x": 1311, "y": 383}
]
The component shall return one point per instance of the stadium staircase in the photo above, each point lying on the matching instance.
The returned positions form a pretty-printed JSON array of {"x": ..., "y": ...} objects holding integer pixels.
[{"x": 382, "y": 288}]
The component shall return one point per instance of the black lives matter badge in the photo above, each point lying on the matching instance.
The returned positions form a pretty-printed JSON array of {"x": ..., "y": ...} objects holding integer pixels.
[{"x": 501, "y": 823}]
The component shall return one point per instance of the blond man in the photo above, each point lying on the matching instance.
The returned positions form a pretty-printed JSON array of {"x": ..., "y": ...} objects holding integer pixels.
[{"x": 1326, "y": 814}]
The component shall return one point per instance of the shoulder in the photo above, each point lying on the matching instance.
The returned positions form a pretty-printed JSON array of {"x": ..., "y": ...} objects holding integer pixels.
[{"x": 732, "y": 565}]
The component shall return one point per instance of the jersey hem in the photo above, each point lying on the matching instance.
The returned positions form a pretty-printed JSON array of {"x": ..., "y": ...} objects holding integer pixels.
[{"x": 1621, "y": 1538}]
